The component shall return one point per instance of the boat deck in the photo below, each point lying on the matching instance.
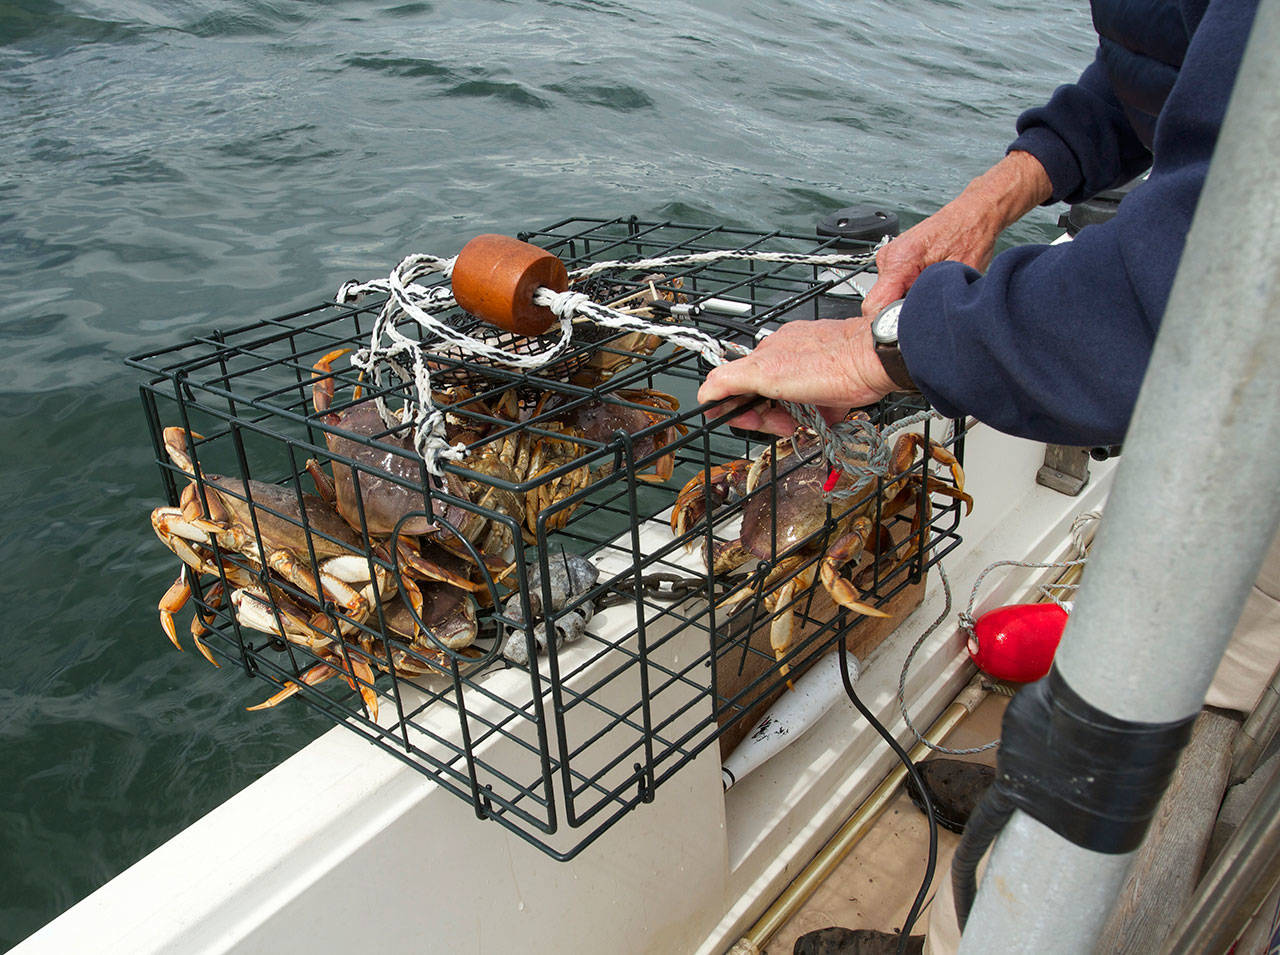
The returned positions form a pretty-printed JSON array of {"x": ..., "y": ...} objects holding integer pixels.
[{"x": 875, "y": 884}]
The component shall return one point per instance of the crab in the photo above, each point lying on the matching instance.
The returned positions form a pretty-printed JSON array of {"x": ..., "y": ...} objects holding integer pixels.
[
  {"x": 394, "y": 504},
  {"x": 448, "y": 614},
  {"x": 599, "y": 421},
  {"x": 803, "y": 511},
  {"x": 626, "y": 349},
  {"x": 239, "y": 530}
]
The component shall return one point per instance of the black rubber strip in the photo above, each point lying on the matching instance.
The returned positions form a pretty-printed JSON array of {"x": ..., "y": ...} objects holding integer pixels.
[
  {"x": 1094, "y": 779},
  {"x": 1091, "y": 777}
]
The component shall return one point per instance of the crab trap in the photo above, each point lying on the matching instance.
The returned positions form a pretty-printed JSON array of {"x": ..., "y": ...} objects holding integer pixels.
[{"x": 604, "y": 581}]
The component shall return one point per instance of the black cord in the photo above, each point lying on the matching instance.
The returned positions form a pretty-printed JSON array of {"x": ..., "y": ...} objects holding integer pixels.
[
  {"x": 992, "y": 812},
  {"x": 902, "y": 754}
]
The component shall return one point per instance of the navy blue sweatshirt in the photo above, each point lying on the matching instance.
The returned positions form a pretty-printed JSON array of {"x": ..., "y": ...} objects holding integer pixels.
[{"x": 1052, "y": 342}]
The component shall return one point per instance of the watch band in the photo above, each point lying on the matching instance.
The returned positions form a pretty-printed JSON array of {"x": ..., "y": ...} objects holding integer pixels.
[{"x": 895, "y": 366}]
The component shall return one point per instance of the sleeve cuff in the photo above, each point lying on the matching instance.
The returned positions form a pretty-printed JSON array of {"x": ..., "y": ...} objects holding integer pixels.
[{"x": 1056, "y": 157}]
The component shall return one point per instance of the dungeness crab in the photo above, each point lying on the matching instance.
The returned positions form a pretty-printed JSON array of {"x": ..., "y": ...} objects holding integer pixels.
[
  {"x": 395, "y": 504},
  {"x": 276, "y": 532},
  {"x": 804, "y": 510},
  {"x": 406, "y": 648}
]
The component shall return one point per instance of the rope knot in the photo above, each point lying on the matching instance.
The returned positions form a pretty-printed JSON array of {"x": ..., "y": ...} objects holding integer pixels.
[{"x": 562, "y": 304}]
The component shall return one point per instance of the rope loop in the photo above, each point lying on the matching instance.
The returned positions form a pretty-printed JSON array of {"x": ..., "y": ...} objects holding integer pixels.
[{"x": 1081, "y": 533}]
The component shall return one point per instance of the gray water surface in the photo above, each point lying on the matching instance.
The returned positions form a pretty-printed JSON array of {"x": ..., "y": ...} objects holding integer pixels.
[{"x": 169, "y": 168}]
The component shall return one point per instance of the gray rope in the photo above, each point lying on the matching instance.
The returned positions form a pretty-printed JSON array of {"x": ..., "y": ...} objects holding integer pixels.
[
  {"x": 906, "y": 666},
  {"x": 860, "y": 440},
  {"x": 1079, "y": 531}
]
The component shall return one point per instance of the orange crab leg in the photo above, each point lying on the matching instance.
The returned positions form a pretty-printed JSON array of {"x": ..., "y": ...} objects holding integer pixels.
[
  {"x": 322, "y": 481},
  {"x": 432, "y": 570},
  {"x": 690, "y": 505},
  {"x": 312, "y": 677},
  {"x": 847, "y": 549},
  {"x": 322, "y": 390},
  {"x": 199, "y": 624},
  {"x": 782, "y": 629},
  {"x": 321, "y": 586},
  {"x": 174, "y": 599}
]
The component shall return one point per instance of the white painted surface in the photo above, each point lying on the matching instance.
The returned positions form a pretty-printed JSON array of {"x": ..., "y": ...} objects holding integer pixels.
[{"x": 344, "y": 847}]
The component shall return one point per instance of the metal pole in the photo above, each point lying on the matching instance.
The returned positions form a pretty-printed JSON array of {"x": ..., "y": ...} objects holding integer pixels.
[{"x": 1194, "y": 508}]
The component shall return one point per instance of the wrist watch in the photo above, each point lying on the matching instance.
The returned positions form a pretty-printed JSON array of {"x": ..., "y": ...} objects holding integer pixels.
[{"x": 884, "y": 332}]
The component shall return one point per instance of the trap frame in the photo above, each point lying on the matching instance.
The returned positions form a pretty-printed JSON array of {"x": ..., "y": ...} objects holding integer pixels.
[{"x": 581, "y": 734}]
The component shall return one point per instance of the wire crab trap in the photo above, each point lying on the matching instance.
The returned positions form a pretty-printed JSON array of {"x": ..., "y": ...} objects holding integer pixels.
[{"x": 608, "y": 582}]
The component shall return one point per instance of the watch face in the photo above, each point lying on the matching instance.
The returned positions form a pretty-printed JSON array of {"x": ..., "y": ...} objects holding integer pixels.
[{"x": 885, "y": 326}]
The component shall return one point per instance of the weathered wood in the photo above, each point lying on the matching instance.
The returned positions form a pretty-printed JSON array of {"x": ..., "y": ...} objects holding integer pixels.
[
  {"x": 733, "y": 672},
  {"x": 1168, "y": 863}
]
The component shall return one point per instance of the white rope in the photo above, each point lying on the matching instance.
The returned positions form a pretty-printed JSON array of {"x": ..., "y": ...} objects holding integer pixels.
[{"x": 390, "y": 350}]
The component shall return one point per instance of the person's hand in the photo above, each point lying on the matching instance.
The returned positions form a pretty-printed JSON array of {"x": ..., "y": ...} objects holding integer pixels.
[
  {"x": 964, "y": 230},
  {"x": 961, "y": 231},
  {"x": 830, "y": 363}
]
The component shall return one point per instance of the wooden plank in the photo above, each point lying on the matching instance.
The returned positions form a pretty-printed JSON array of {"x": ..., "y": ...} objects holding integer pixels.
[
  {"x": 1168, "y": 863},
  {"x": 733, "y": 672}
]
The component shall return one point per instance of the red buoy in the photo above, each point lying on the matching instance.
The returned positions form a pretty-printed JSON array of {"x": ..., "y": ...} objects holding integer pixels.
[
  {"x": 495, "y": 277},
  {"x": 1017, "y": 643}
]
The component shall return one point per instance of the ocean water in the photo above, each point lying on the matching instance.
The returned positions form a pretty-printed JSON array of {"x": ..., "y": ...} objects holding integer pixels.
[{"x": 169, "y": 168}]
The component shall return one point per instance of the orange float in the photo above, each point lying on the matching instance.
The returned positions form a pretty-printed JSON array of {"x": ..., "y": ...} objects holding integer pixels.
[{"x": 495, "y": 277}]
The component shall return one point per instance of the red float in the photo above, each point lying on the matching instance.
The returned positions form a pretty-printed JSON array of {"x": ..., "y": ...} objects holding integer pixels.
[{"x": 1016, "y": 643}]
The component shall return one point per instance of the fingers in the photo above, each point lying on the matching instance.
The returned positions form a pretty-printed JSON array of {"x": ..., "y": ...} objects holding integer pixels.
[{"x": 888, "y": 288}]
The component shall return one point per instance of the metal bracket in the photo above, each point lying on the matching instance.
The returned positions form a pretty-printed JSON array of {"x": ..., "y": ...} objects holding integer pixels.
[{"x": 1065, "y": 469}]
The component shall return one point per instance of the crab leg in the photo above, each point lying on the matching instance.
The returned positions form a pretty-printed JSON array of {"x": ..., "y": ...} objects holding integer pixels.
[
  {"x": 199, "y": 624},
  {"x": 904, "y": 453},
  {"x": 690, "y": 506},
  {"x": 322, "y": 586},
  {"x": 359, "y": 677},
  {"x": 322, "y": 389},
  {"x": 732, "y": 552},
  {"x": 783, "y": 628},
  {"x": 429, "y": 569},
  {"x": 312, "y": 677},
  {"x": 846, "y": 550},
  {"x": 322, "y": 481},
  {"x": 174, "y": 599}
]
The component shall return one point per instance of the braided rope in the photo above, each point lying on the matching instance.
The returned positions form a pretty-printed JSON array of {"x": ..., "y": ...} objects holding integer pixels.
[{"x": 853, "y": 446}]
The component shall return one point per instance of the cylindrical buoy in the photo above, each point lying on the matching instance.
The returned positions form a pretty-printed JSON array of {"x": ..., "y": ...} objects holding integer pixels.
[
  {"x": 1017, "y": 643},
  {"x": 796, "y": 711},
  {"x": 495, "y": 277}
]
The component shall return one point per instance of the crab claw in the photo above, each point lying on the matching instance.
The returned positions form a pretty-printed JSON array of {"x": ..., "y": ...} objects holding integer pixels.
[
  {"x": 691, "y": 503},
  {"x": 846, "y": 550},
  {"x": 174, "y": 599},
  {"x": 175, "y": 445},
  {"x": 322, "y": 380}
]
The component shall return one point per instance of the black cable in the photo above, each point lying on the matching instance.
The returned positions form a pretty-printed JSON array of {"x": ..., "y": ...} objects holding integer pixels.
[
  {"x": 902, "y": 754},
  {"x": 988, "y": 818}
]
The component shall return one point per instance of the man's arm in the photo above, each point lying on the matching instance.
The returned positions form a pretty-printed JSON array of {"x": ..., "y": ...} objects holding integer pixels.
[
  {"x": 964, "y": 230},
  {"x": 1052, "y": 343},
  {"x": 1073, "y": 147}
]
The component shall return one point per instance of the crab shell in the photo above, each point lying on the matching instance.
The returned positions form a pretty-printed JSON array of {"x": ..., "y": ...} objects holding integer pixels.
[{"x": 364, "y": 497}]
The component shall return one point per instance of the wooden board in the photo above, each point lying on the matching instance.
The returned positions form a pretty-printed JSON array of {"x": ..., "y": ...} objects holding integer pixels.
[
  {"x": 735, "y": 670},
  {"x": 1167, "y": 866}
]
